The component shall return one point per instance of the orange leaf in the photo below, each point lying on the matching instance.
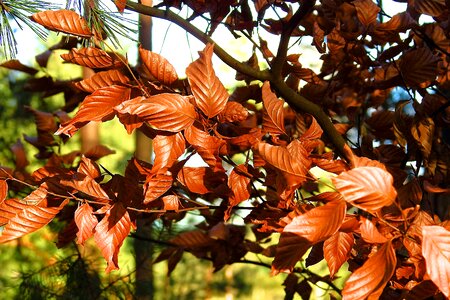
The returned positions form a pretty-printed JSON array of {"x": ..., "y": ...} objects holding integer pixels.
[
  {"x": 96, "y": 107},
  {"x": 3, "y": 190},
  {"x": 111, "y": 232},
  {"x": 169, "y": 112},
  {"x": 239, "y": 184},
  {"x": 92, "y": 58},
  {"x": 313, "y": 132},
  {"x": 436, "y": 250},
  {"x": 86, "y": 222},
  {"x": 273, "y": 117},
  {"x": 366, "y": 11},
  {"x": 120, "y": 4},
  {"x": 16, "y": 65},
  {"x": 88, "y": 186},
  {"x": 89, "y": 168},
  {"x": 171, "y": 202},
  {"x": 28, "y": 219},
  {"x": 158, "y": 66},
  {"x": 306, "y": 230},
  {"x": 130, "y": 122},
  {"x": 209, "y": 93},
  {"x": 101, "y": 79},
  {"x": 233, "y": 112},
  {"x": 63, "y": 20},
  {"x": 370, "y": 233},
  {"x": 157, "y": 185},
  {"x": 336, "y": 250},
  {"x": 9, "y": 208},
  {"x": 167, "y": 148},
  {"x": 201, "y": 180},
  {"x": 369, "y": 188},
  {"x": 368, "y": 281}
]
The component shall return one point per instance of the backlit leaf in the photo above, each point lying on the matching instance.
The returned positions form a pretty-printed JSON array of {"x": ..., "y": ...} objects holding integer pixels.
[
  {"x": 9, "y": 208},
  {"x": 201, "y": 180},
  {"x": 101, "y": 79},
  {"x": 313, "y": 132},
  {"x": 209, "y": 93},
  {"x": 167, "y": 148},
  {"x": 369, "y": 188},
  {"x": 120, "y": 4},
  {"x": 169, "y": 112},
  {"x": 336, "y": 250},
  {"x": 368, "y": 281},
  {"x": 239, "y": 183},
  {"x": 436, "y": 250},
  {"x": 156, "y": 185},
  {"x": 366, "y": 11},
  {"x": 16, "y": 65},
  {"x": 63, "y": 20},
  {"x": 86, "y": 222},
  {"x": 93, "y": 58},
  {"x": 96, "y": 107},
  {"x": 418, "y": 66},
  {"x": 273, "y": 117},
  {"x": 158, "y": 66},
  {"x": 432, "y": 8},
  {"x": 111, "y": 232},
  {"x": 370, "y": 233},
  {"x": 423, "y": 133},
  {"x": 29, "y": 219},
  {"x": 3, "y": 190},
  {"x": 87, "y": 185},
  {"x": 171, "y": 202}
]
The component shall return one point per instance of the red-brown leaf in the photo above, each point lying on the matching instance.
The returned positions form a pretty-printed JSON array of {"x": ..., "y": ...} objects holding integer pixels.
[
  {"x": 169, "y": 112},
  {"x": 88, "y": 186},
  {"x": 273, "y": 118},
  {"x": 120, "y": 4},
  {"x": 92, "y": 58},
  {"x": 111, "y": 232},
  {"x": 201, "y": 180},
  {"x": 369, "y": 280},
  {"x": 239, "y": 183},
  {"x": 89, "y": 168},
  {"x": 101, "y": 79},
  {"x": 366, "y": 11},
  {"x": 3, "y": 189},
  {"x": 418, "y": 66},
  {"x": 86, "y": 222},
  {"x": 210, "y": 94},
  {"x": 158, "y": 66},
  {"x": 27, "y": 220},
  {"x": 9, "y": 208},
  {"x": 96, "y": 107},
  {"x": 171, "y": 202},
  {"x": 436, "y": 250},
  {"x": 369, "y": 188},
  {"x": 167, "y": 148},
  {"x": 156, "y": 185},
  {"x": 336, "y": 250},
  {"x": 233, "y": 112},
  {"x": 313, "y": 132},
  {"x": 63, "y": 20},
  {"x": 192, "y": 239},
  {"x": 16, "y": 65},
  {"x": 370, "y": 233}
]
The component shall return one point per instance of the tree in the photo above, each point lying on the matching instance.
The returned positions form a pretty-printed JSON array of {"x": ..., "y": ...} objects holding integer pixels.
[{"x": 330, "y": 160}]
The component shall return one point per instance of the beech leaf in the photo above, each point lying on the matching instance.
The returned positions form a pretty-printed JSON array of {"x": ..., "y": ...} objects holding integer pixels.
[
  {"x": 111, "y": 232},
  {"x": 158, "y": 66},
  {"x": 369, "y": 188},
  {"x": 167, "y": 148},
  {"x": 93, "y": 58},
  {"x": 100, "y": 80},
  {"x": 3, "y": 189},
  {"x": 239, "y": 183},
  {"x": 86, "y": 222},
  {"x": 63, "y": 20},
  {"x": 156, "y": 185},
  {"x": 436, "y": 250},
  {"x": 369, "y": 280},
  {"x": 209, "y": 93},
  {"x": 370, "y": 233},
  {"x": 336, "y": 250},
  {"x": 273, "y": 117}
]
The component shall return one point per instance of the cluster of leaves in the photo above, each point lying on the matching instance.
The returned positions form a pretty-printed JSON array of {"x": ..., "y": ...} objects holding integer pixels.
[{"x": 379, "y": 214}]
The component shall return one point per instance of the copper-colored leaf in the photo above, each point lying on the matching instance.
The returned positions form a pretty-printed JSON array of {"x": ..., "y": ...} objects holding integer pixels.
[
  {"x": 313, "y": 132},
  {"x": 399, "y": 22},
  {"x": 167, "y": 148},
  {"x": 436, "y": 250},
  {"x": 201, "y": 180},
  {"x": 158, "y": 66},
  {"x": 169, "y": 112},
  {"x": 3, "y": 190},
  {"x": 423, "y": 133},
  {"x": 210, "y": 94},
  {"x": 96, "y": 107},
  {"x": 369, "y": 188},
  {"x": 233, "y": 112},
  {"x": 418, "y": 66},
  {"x": 29, "y": 219},
  {"x": 86, "y": 222},
  {"x": 86, "y": 185},
  {"x": 9, "y": 208},
  {"x": 273, "y": 117},
  {"x": 432, "y": 8},
  {"x": 171, "y": 202},
  {"x": 89, "y": 168},
  {"x": 336, "y": 250},
  {"x": 370, "y": 233},
  {"x": 101, "y": 79},
  {"x": 63, "y": 20},
  {"x": 239, "y": 183},
  {"x": 120, "y": 4},
  {"x": 304, "y": 231},
  {"x": 192, "y": 239},
  {"x": 366, "y": 11},
  {"x": 156, "y": 185},
  {"x": 92, "y": 58},
  {"x": 369, "y": 280},
  {"x": 14, "y": 64},
  {"x": 111, "y": 232}
]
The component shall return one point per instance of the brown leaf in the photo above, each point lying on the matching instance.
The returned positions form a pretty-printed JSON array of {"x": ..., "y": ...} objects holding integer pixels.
[
  {"x": 3, "y": 190},
  {"x": 366, "y": 11},
  {"x": 368, "y": 281},
  {"x": 418, "y": 66},
  {"x": 156, "y": 185},
  {"x": 101, "y": 79},
  {"x": 9, "y": 208},
  {"x": 370, "y": 233},
  {"x": 209, "y": 93},
  {"x": 86, "y": 185},
  {"x": 192, "y": 239},
  {"x": 63, "y": 20},
  {"x": 120, "y": 4},
  {"x": 93, "y": 58},
  {"x": 158, "y": 66},
  {"x": 432, "y": 8},
  {"x": 89, "y": 168},
  {"x": 369, "y": 188},
  {"x": 169, "y": 112},
  {"x": 96, "y": 107},
  {"x": 201, "y": 180},
  {"x": 436, "y": 250},
  {"x": 273, "y": 116},
  {"x": 167, "y": 148},
  {"x": 239, "y": 183},
  {"x": 27, "y": 220},
  {"x": 111, "y": 232},
  {"x": 171, "y": 202},
  {"x": 233, "y": 112},
  {"x": 423, "y": 133},
  {"x": 336, "y": 250},
  {"x": 86, "y": 222},
  {"x": 16, "y": 65}
]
